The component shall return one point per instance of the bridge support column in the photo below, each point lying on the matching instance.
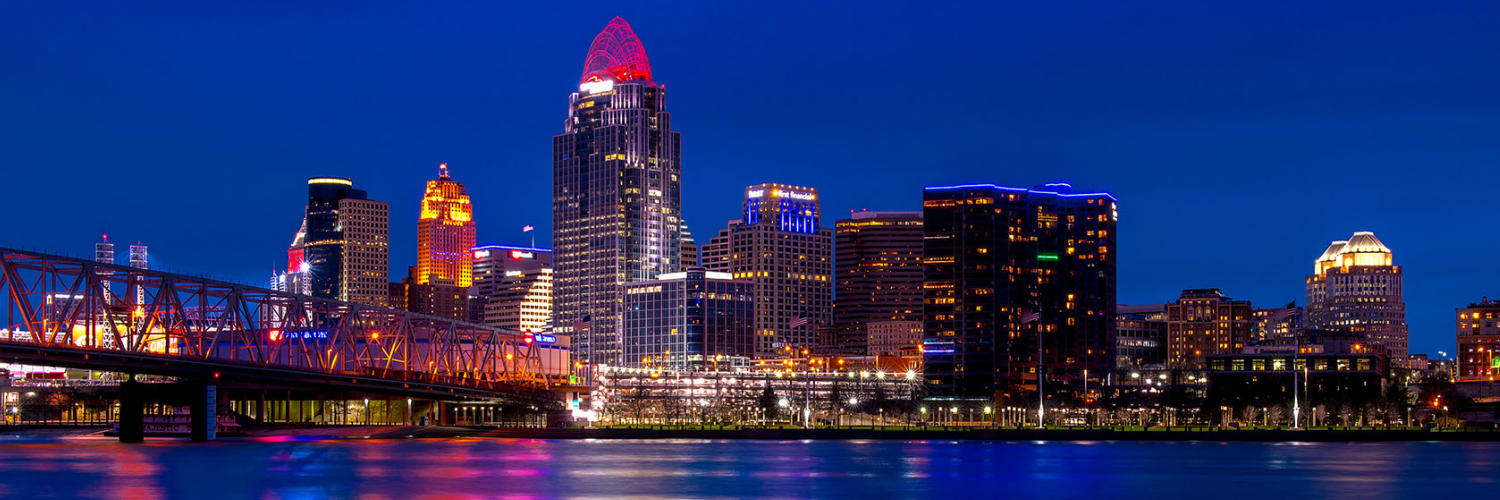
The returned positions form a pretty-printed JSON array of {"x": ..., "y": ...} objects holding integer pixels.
[
  {"x": 132, "y": 424},
  {"x": 204, "y": 411}
]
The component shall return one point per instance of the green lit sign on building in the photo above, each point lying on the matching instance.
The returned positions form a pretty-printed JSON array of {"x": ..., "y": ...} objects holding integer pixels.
[{"x": 1046, "y": 256}]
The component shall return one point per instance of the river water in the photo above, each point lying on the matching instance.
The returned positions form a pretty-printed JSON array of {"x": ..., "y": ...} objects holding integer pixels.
[{"x": 464, "y": 469}]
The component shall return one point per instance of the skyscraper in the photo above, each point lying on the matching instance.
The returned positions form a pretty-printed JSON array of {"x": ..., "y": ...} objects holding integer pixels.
[
  {"x": 780, "y": 247},
  {"x": 878, "y": 262},
  {"x": 445, "y": 234},
  {"x": 347, "y": 243},
  {"x": 512, "y": 287},
  {"x": 617, "y": 192},
  {"x": 295, "y": 279},
  {"x": 1356, "y": 288},
  {"x": 1007, "y": 267}
]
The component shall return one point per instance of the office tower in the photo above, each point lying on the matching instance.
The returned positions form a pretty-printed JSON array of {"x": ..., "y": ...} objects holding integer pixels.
[
  {"x": 1007, "y": 268},
  {"x": 878, "y": 269},
  {"x": 617, "y": 192},
  {"x": 347, "y": 242},
  {"x": 893, "y": 338},
  {"x": 689, "y": 249},
  {"x": 522, "y": 302},
  {"x": 1273, "y": 324},
  {"x": 779, "y": 246},
  {"x": 1356, "y": 288},
  {"x": 688, "y": 320},
  {"x": 1140, "y": 337},
  {"x": 512, "y": 283},
  {"x": 1478, "y": 337},
  {"x": 445, "y": 234},
  {"x": 1203, "y": 323}
]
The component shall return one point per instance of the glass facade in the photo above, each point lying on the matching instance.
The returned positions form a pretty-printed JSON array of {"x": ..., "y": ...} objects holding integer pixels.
[{"x": 682, "y": 321}]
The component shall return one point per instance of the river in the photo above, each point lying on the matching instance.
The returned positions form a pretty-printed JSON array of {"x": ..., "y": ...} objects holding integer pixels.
[{"x": 464, "y": 469}]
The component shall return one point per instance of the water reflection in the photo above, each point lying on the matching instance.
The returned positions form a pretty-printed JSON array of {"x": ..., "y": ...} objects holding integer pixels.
[{"x": 462, "y": 469}]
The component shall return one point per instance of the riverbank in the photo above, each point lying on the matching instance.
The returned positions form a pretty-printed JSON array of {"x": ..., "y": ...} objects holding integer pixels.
[{"x": 792, "y": 433}]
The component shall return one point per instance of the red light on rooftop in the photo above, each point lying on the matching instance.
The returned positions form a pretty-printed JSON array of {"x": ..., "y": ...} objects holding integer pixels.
[{"x": 616, "y": 54}]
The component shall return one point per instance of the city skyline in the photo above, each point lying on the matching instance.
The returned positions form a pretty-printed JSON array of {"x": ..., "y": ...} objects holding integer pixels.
[{"x": 1153, "y": 268}]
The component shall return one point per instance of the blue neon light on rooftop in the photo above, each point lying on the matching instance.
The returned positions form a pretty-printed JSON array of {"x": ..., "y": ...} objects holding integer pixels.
[{"x": 1008, "y": 188}]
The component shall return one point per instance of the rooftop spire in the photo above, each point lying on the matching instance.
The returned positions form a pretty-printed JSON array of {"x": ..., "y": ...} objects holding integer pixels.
[
  {"x": 616, "y": 55},
  {"x": 443, "y": 170}
]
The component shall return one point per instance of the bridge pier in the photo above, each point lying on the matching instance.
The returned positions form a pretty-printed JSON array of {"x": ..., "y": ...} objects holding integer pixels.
[
  {"x": 203, "y": 411},
  {"x": 132, "y": 424}
]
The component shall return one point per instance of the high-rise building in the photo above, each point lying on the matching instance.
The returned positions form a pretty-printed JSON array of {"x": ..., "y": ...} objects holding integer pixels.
[
  {"x": 617, "y": 193},
  {"x": 686, "y": 320},
  {"x": 1016, "y": 278},
  {"x": 1478, "y": 337},
  {"x": 522, "y": 302},
  {"x": 878, "y": 266},
  {"x": 1140, "y": 337},
  {"x": 512, "y": 287},
  {"x": 1203, "y": 323},
  {"x": 445, "y": 234},
  {"x": 779, "y": 247},
  {"x": 894, "y": 338},
  {"x": 347, "y": 244},
  {"x": 1356, "y": 288}
]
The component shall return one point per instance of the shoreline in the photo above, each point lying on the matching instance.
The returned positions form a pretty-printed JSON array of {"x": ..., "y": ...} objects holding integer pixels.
[{"x": 333, "y": 433}]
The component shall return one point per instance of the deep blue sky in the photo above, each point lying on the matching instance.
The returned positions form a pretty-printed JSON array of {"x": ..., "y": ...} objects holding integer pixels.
[{"x": 1240, "y": 139}]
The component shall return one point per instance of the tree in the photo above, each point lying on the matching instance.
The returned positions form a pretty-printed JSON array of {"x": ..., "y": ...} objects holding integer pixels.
[{"x": 767, "y": 402}]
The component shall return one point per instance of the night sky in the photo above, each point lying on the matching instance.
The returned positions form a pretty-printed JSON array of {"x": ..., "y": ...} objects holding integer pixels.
[{"x": 1240, "y": 139}]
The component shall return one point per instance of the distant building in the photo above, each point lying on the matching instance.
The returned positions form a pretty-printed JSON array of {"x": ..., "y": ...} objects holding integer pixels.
[
  {"x": 512, "y": 287},
  {"x": 1272, "y": 324},
  {"x": 296, "y": 279},
  {"x": 780, "y": 247},
  {"x": 1141, "y": 337},
  {"x": 1204, "y": 322},
  {"x": 878, "y": 270},
  {"x": 1337, "y": 367},
  {"x": 434, "y": 298},
  {"x": 1356, "y": 287},
  {"x": 894, "y": 338},
  {"x": 523, "y": 302},
  {"x": 689, "y": 249},
  {"x": 1478, "y": 337},
  {"x": 445, "y": 234},
  {"x": 347, "y": 244},
  {"x": 685, "y": 320},
  {"x": 1016, "y": 278}
]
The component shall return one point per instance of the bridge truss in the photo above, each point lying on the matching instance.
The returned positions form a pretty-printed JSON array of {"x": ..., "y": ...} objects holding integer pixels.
[{"x": 80, "y": 306}]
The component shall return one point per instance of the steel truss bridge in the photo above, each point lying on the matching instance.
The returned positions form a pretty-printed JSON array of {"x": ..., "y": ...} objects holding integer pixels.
[{"x": 75, "y": 313}]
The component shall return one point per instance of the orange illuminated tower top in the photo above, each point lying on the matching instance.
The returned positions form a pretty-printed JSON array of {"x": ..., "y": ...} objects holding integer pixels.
[{"x": 445, "y": 233}]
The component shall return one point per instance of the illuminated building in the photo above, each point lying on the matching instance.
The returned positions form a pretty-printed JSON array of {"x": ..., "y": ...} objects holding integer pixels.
[
  {"x": 893, "y": 338},
  {"x": 779, "y": 246},
  {"x": 138, "y": 260},
  {"x": 295, "y": 279},
  {"x": 445, "y": 234},
  {"x": 1478, "y": 337},
  {"x": 347, "y": 242},
  {"x": 616, "y": 191},
  {"x": 878, "y": 263},
  {"x": 1140, "y": 337},
  {"x": 1272, "y": 324},
  {"x": 1203, "y": 323},
  {"x": 512, "y": 287},
  {"x": 684, "y": 320},
  {"x": 1007, "y": 269},
  {"x": 1355, "y": 287}
]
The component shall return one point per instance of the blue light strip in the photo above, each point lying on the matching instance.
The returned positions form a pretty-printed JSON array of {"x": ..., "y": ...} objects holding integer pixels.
[{"x": 1008, "y": 188}]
